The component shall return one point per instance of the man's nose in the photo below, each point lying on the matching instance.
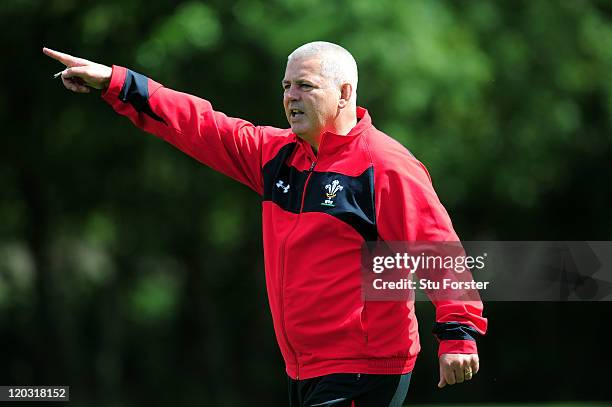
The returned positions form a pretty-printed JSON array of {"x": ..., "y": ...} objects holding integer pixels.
[{"x": 292, "y": 93}]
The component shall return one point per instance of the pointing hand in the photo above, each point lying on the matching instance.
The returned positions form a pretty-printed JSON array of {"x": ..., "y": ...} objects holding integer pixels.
[{"x": 80, "y": 74}]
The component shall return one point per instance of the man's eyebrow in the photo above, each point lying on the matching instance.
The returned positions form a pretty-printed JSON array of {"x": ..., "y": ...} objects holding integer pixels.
[{"x": 298, "y": 81}]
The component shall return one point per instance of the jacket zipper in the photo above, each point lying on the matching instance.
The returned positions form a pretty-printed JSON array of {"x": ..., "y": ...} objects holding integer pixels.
[{"x": 282, "y": 264}]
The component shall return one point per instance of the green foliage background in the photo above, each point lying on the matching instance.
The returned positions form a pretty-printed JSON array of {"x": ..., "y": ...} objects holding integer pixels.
[{"x": 135, "y": 275}]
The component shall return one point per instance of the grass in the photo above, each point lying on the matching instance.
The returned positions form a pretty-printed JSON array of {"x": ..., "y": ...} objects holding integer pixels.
[{"x": 560, "y": 404}]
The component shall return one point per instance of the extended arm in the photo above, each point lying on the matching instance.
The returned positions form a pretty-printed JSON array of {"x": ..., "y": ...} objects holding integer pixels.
[{"x": 229, "y": 145}]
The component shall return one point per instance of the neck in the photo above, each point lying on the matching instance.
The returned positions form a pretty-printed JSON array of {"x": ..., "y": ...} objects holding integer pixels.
[{"x": 343, "y": 125}]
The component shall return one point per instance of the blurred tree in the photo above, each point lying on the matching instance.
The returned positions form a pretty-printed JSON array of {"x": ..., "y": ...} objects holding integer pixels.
[{"x": 127, "y": 268}]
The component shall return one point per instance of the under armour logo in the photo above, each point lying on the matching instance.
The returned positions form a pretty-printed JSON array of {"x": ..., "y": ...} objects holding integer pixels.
[{"x": 281, "y": 185}]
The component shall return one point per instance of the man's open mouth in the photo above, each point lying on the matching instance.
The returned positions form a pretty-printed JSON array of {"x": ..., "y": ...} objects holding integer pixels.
[{"x": 295, "y": 112}]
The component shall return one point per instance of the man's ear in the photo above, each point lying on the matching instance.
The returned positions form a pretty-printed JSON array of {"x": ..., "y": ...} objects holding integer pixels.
[{"x": 346, "y": 91}]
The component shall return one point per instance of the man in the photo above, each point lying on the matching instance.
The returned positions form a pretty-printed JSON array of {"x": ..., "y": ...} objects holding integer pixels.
[{"x": 329, "y": 183}]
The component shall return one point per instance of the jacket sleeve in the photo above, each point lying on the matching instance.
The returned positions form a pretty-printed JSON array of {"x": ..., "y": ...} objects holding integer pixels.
[
  {"x": 408, "y": 210},
  {"x": 228, "y": 145}
]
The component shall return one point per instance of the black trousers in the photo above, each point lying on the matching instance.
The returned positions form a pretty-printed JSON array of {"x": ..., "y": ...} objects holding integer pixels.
[{"x": 348, "y": 390}]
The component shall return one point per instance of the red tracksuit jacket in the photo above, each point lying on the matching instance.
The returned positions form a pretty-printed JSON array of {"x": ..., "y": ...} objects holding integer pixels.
[{"x": 312, "y": 242}]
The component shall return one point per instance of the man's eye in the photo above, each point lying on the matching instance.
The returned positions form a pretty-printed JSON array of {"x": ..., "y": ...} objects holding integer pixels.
[{"x": 306, "y": 86}]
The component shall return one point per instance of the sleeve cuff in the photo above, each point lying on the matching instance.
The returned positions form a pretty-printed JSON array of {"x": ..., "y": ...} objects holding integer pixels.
[
  {"x": 457, "y": 346},
  {"x": 116, "y": 83}
]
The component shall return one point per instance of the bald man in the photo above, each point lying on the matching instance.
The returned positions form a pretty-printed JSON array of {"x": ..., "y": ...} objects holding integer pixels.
[{"x": 329, "y": 183}]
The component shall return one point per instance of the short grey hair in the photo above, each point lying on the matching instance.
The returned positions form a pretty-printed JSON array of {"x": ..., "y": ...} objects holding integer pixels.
[{"x": 336, "y": 62}]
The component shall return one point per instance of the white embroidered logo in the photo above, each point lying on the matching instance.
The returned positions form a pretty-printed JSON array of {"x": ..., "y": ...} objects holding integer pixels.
[
  {"x": 332, "y": 189},
  {"x": 281, "y": 185}
]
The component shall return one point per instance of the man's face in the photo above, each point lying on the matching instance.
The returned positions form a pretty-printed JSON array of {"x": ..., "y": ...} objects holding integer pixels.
[{"x": 310, "y": 100}]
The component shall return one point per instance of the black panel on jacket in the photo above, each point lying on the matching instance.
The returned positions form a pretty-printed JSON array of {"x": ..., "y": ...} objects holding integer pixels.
[
  {"x": 350, "y": 199},
  {"x": 135, "y": 91},
  {"x": 283, "y": 184}
]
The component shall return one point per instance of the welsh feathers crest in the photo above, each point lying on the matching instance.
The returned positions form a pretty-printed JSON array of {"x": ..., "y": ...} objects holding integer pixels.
[{"x": 332, "y": 189}]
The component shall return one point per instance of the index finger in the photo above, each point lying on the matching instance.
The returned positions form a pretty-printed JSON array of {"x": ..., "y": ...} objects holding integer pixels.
[{"x": 65, "y": 59}]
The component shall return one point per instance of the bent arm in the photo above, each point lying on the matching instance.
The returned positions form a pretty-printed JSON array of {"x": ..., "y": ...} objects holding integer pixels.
[{"x": 410, "y": 211}]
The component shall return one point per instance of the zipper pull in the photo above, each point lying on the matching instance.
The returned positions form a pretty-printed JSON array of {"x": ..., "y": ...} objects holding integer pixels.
[{"x": 312, "y": 166}]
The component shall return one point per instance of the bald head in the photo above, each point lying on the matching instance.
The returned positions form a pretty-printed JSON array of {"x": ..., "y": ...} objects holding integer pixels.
[
  {"x": 319, "y": 91},
  {"x": 337, "y": 64}
]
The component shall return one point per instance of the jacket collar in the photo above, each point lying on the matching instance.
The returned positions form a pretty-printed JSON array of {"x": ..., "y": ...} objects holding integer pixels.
[{"x": 332, "y": 142}]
